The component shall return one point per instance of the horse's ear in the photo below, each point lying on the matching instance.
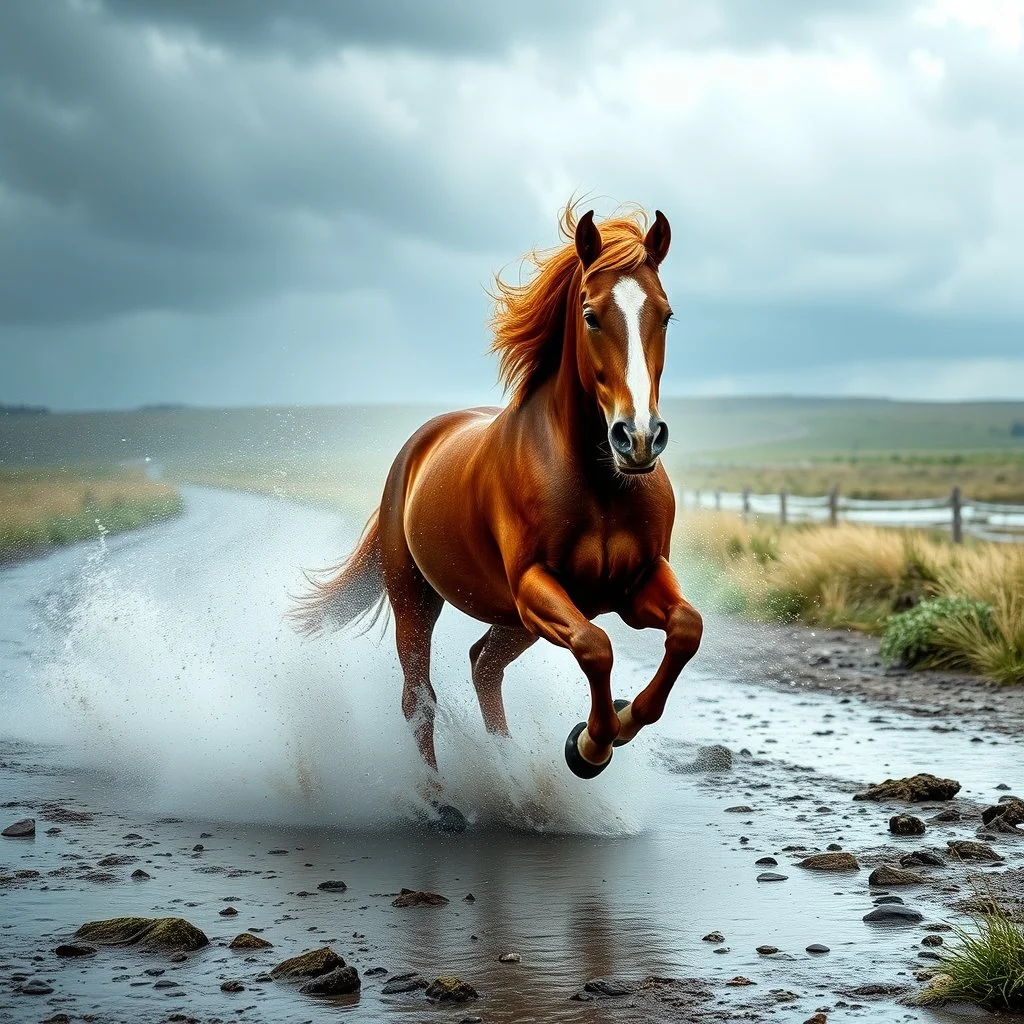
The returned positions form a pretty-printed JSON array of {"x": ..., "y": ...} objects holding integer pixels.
[
  {"x": 588, "y": 240},
  {"x": 658, "y": 238}
]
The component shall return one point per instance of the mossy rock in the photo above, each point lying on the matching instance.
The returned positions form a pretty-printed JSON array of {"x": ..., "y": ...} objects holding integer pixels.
[
  {"x": 309, "y": 964},
  {"x": 835, "y": 861},
  {"x": 248, "y": 941},
  {"x": 915, "y": 789},
  {"x": 157, "y": 933},
  {"x": 448, "y": 989}
]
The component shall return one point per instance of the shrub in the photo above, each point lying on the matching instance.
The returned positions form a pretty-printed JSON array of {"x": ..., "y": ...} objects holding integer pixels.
[{"x": 919, "y": 636}]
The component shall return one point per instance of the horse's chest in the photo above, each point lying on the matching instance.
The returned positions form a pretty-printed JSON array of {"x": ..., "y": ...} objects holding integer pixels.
[{"x": 605, "y": 560}]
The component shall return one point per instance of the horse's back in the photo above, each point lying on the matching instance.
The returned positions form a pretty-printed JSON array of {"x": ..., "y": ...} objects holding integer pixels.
[{"x": 432, "y": 496}]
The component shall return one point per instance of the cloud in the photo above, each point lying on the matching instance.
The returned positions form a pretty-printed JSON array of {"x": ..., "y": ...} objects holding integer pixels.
[{"x": 841, "y": 177}]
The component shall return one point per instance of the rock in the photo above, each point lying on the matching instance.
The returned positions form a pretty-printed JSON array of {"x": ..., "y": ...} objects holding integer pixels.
[
  {"x": 449, "y": 989},
  {"x": 915, "y": 789},
  {"x": 418, "y": 898},
  {"x": 228, "y": 912},
  {"x": 141, "y": 876},
  {"x": 767, "y": 950},
  {"x": 893, "y": 913},
  {"x": 766, "y": 862},
  {"x": 906, "y": 825},
  {"x": 948, "y": 815},
  {"x": 116, "y": 860},
  {"x": 1010, "y": 813},
  {"x": 469, "y": 898},
  {"x": 339, "y": 982},
  {"x": 771, "y": 876},
  {"x": 510, "y": 958},
  {"x": 601, "y": 988},
  {"x": 308, "y": 964},
  {"x": 715, "y": 758},
  {"x": 156, "y": 933},
  {"x": 932, "y": 940},
  {"x": 75, "y": 949},
  {"x": 818, "y": 1018},
  {"x": 715, "y": 937},
  {"x": 935, "y": 992},
  {"x": 921, "y": 857},
  {"x": 739, "y": 809},
  {"x": 65, "y": 816},
  {"x": 57, "y": 1018},
  {"x": 24, "y": 829},
  {"x": 35, "y": 987},
  {"x": 886, "y": 875},
  {"x": 471, "y": 1020},
  {"x": 739, "y": 980},
  {"x": 968, "y": 849},
  {"x": 400, "y": 983},
  {"x": 882, "y": 900},
  {"x": 246, "y": 940},
  {"x": 333, "y": 885},
  {"x": 876, "y": 990},
  {"x": 232, "y": 986},
  {"x": 830, "y": 862},
  {"x": 817, "y": 949},
  {"x": 1003, "y": 785}
]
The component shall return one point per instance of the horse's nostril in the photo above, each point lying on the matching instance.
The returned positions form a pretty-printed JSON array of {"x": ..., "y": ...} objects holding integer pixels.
[
  {"x": 660, "y": 442},
  {"x": 620, "y": 437}
]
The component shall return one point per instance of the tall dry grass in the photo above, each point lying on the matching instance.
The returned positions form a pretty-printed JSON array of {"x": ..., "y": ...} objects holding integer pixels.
[
  {"x": 858, "y": 577},
  {"x": 45, "y": 507}
]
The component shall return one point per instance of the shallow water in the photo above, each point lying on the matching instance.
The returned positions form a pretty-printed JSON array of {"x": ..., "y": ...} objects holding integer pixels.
[{"x": 152, "y": 675}]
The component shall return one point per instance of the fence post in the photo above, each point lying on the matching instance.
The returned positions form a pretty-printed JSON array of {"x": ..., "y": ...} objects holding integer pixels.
[
  {"x": 833, "y": 505},
  {"x": 782, "y": 507},
  {"x": 746, "y": 502},
  {"x": 956, "y": 502},
  {"x": 718, "y": 501}
]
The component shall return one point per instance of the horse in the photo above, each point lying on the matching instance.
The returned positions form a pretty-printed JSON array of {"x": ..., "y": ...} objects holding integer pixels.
[{"x": 537, "y": 517}]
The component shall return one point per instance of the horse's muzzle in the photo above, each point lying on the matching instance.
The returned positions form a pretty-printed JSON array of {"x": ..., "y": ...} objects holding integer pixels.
[{"x": 636, "y": 451}]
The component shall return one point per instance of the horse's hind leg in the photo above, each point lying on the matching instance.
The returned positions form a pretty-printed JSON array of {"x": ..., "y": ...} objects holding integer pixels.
[
  {"x": 489, "y": 657},
  {"x": 416, "y": 606}
]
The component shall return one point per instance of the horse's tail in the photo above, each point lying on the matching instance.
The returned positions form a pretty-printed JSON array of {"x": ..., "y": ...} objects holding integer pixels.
[{"x": 353, "y": 589}]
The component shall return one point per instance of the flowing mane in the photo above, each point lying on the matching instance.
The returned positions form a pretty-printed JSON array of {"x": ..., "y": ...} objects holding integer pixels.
[{"x": 529, "y": 319}]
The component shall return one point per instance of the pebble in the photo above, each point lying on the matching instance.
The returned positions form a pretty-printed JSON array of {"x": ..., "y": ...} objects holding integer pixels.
[
  {"x": 817, "y": 948},
  {"x": 24, "y": 829},
  {"x": 771, "y": 876},
  {"x": 332, "y": 885},
  {"x": 713, "y": 937},
  {"x": 906, "y": 825},
  {"x": 509, "y": 958},
  {"x": 140, "y": 876},
  {"x": 228, "y": 912},
  {"x": 885, "y": 875},
  {"x": 932, "y": 940},
  {"x": 232, "y": 986},
  {"x": 739, "y": 980},
  {"x": 888, "y": 899},
  {"x": 739, "y": 809},
  {"x": 35, "y": 988},
  {"x": 766, "y": 862},
  {"x": 767, "y": 950}
]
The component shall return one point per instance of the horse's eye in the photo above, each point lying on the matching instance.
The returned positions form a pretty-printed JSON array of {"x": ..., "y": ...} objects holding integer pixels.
[
  {"x": 668, "y": 320},
  {"x": 590, "y": 320}
]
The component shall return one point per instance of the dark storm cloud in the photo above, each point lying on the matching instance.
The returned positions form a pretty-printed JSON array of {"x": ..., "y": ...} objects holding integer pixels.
[{"x": 189, "y": 187}]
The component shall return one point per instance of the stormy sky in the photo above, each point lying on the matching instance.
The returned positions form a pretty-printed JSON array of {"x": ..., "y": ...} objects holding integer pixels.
[{"x": 303, "y": 201}]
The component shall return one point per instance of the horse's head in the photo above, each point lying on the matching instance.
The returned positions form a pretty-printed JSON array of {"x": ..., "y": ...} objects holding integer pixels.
[{"x": 624, "y": 316}]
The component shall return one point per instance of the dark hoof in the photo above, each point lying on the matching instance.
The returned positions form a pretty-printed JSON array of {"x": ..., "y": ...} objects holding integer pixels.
[
  {"x": 449, "y": 819},
  {"x": 578, "y": 765},
  {"x": 619, "y": 705}
]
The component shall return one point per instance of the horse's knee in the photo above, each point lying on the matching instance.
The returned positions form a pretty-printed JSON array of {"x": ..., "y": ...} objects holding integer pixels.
[
  {"x": 593, "y": 651},
  {"x": 684, "y": 631}
]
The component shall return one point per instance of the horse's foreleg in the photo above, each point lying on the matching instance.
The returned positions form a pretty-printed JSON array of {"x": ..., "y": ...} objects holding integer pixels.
[
  {"x": 659, "y": 604},
  {"x": 489, "y": 657},
  {"x": 548, "y": 611}
]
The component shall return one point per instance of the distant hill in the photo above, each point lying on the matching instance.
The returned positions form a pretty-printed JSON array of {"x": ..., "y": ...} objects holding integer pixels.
[{"x": 22, "y": 410}]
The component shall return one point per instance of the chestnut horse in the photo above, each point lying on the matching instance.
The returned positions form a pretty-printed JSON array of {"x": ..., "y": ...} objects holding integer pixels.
[{"x": 539, "y": 516}]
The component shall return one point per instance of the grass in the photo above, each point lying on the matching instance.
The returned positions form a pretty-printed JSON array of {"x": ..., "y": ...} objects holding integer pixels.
[
  {"x": 862, "y": 577},
  {"x": 42, "y": 508},
  {"x": 986, "y": 968}
]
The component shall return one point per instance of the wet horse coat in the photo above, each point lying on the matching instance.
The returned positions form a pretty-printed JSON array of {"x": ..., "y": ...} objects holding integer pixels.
[{"x": 537, "y": 517}]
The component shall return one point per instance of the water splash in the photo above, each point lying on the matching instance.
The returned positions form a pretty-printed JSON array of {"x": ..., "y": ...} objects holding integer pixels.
[{"x": 170, "y": 669}]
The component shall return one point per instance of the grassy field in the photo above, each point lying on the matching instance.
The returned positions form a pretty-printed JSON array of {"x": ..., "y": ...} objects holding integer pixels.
[
  {"x": 40, "y": 508},
  {"x": 936, "y": 604}
]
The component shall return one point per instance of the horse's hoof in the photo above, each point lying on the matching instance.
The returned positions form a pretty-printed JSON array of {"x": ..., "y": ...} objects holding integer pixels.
[
  {"x": 620, "y": 705},
  {"x": 449, "y": 819},
  {"x": 577, "y": 763}
]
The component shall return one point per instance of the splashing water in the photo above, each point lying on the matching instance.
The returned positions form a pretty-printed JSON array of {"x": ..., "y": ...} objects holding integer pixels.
[{"x": 164, "y": 663}]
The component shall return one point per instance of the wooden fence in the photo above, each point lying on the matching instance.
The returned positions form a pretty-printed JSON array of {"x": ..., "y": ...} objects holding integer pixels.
[{"x": 957, "y": 513}]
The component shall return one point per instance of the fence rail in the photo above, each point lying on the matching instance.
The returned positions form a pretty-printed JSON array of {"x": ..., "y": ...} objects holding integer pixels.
[{"x": 962, "y": 516}]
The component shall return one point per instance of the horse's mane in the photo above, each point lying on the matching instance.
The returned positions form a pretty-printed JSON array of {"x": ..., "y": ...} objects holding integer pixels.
[{"x": 529, "y": 319}]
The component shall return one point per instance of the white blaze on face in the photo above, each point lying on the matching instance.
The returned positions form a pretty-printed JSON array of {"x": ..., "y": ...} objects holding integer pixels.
[{"x": 630, "y": 298}]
